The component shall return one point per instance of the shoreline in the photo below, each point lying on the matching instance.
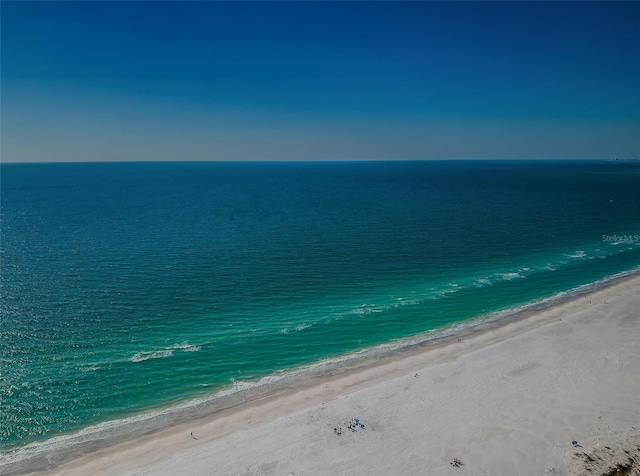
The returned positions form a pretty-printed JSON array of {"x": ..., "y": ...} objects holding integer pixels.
[{"x": 332, "y": 386}]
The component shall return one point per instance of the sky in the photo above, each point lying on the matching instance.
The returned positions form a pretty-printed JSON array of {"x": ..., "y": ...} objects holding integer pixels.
[{"x": 140, "y": 81}]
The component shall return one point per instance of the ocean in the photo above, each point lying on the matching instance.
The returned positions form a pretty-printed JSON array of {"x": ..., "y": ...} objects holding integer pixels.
[{"x": 135, "y": 295}]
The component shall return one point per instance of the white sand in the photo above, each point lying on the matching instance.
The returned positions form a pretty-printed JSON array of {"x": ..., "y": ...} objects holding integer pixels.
[{"x": 506, "y": 401}]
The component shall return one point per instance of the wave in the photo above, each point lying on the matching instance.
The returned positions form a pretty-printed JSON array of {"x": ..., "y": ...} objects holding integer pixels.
[
  {"x": 92, "y": 368},
  {"x": 366, "y": 308},
  {"x": 481, "y": 282},
  {"x": 163, "y": 353},
  {"x": 511, "y": 312},
  {"x": 157, "y": 354},
  {"x": 187, "y": 347},
  {"x": 418, "y": 295},
  {"x": 511, "y": 276},
  {"x": 57, "y": 449},
  {"x": 296, "y": 328},
  {"x": 327, "y": 364},
  {"x": 447, "y": 289}
]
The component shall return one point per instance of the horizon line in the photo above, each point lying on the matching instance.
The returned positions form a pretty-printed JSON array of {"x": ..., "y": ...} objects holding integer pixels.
[{"x": 299, "y": 161}]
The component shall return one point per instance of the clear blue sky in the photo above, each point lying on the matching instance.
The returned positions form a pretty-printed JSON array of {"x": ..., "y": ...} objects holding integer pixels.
[{"x": 85, "y": 81}]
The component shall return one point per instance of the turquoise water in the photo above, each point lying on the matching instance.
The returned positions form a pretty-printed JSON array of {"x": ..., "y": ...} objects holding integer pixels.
[{"x": 132, "y": 288}]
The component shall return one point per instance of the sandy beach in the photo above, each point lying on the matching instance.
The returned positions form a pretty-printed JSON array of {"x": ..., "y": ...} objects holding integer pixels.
[{"x": 507, "y": 400}]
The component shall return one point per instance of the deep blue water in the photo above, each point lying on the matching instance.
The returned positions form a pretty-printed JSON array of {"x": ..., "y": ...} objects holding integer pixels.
[{"x": 129, "y": 287}]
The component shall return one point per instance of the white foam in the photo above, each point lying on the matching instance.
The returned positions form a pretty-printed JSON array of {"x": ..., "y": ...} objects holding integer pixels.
[
  {"x": 241, "y": 385},
  {"x": 406, "y": 302},
  {"x": 297, "y": 328},
  {"x": 366, "y": 309},
  {"x": 163, "y": 353},
  {"x": 187, "y": 347},
  {"x": 154, "y": 354},
  {"x": 443, "y": 293},
  {"x": 482, "y": 282},
  {"x": 119, "y": 427}
]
